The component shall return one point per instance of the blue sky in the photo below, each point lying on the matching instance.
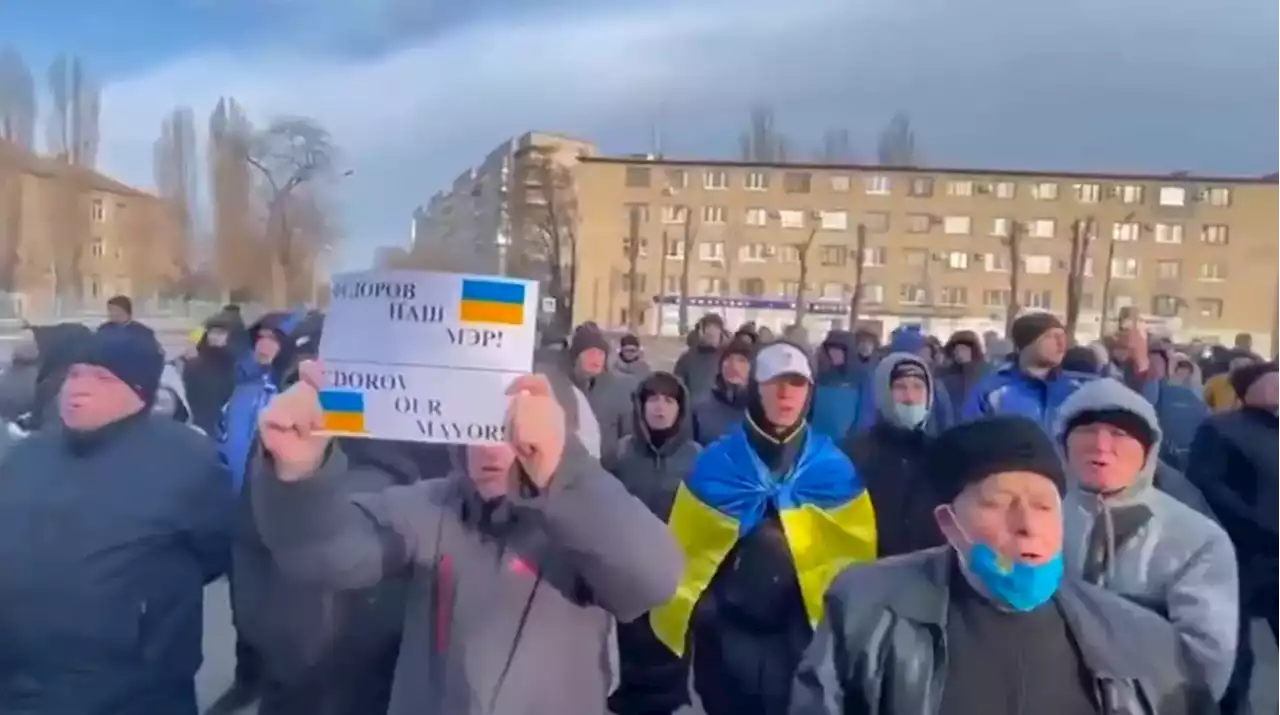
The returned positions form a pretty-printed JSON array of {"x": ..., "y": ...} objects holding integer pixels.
[{"x": 416, "y": 90}]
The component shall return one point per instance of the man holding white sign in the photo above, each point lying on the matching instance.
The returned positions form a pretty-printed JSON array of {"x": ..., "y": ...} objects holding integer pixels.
[{"x": 520, "y": 558}]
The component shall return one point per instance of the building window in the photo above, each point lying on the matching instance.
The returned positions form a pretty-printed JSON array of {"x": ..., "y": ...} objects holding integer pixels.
[
  {"x": 789, "y": 289},
  {"x": 757, "y": 181},
  {"x": 1165, "y": 306},
  {"x": 912, "y": 294},
  {"x": 840, "y": 183},
  {"x": 1168, "y": 270},
  {"x": 916, "y": 257},
  {"x": 1168, "y": 233},
  {"x": 1215, "y": 234},
  {"x": 958, "y": 261},
  {"x": 637, "y": 177},
  {"x": 1037, "y": 299},
  {"x": 919, "y": 223},
  {"x": 1129, "y": 193},
  {"x": 953, "y": 296},
  {"x": 957, "y": 225},
  {"x": 98, "y": 211},
  {"x": 1006, "y": 190},
  {"x": 999, "y": 227},
  {"x": 751, "y": 287},
  {"x": 1124, "y": 268},
  {"x": 1213, "y": 272},
  {"x": 1126, "y": 232},
  {"x": 715, "y": 179},
  {"x": 1087, "y": 268},
  {"x": 959, "y": 188},
  {"x": 674, "y": 249},
  {"x": 675, "y": 214},
  {"x": 640, "y": 282},
  {"x": 757, "y": 217},
  {"x": 833, "y": 290},
  {"x": 1216, "y": 197},
  {"x": 1209, "y": 307},
  {"x": 996, "y": 262},
  {"x": 97, "y": 249},
  {"x": 832, "y": 255},
  {"x": 1088, "y": 193},
  {"x": 877, "y": 185},
  {"x": 872, "y": 294},
  {"x": 1173, "y": 196},
  {"x": 995, "y": 298},
  {"x": 752, "y": 253},
  {"x": 671, "y": 285},
  {"x": 874, "y": 256},
  {"x": 1044, "y": 191},
  {"x": 712, "y": 286},
  {"x": 789, "y": 254},
  {"x": 677, "y": 179},
  {"x": 714, "y": 214},
  {"x": 834, "y": 220},
  {"x": 921, "y": 187},
  {"x": 791, "y": 218},
  {"x": 1037, "y": 265},
  {"x": 1042, "y": 228},
  {"x": 711, "y": 251},
  {"x": 797, "y": 182},
  {"x": 642, "y": 250},
  {"x": 876, "y": 221}
]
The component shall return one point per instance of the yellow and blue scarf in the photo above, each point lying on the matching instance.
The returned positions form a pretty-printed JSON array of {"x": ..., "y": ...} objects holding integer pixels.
[{"x": 826, "y": 515}]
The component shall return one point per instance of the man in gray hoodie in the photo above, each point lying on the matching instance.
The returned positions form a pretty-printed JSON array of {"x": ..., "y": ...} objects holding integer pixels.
[
  {"x": 518, "y": 561},
  {"x": 1126, "y": 535}
]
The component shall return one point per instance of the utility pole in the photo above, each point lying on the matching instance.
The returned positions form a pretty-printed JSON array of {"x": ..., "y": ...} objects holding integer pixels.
[
  {"x": 1106, "y": 290},
  {"x": 687, "y": 248},
  {"x": 855, "y": 301},
  {"x": 662, "y": 285},
  {"x": 1015, "y": 274},
  {"x": 1081, "y": 236},
  {"x": 633, "y": 268},
  {"x": 802, "y": 296}
]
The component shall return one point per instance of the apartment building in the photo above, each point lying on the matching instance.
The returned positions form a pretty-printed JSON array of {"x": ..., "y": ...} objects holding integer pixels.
[
  {"x": 69, "y": 234},
  {"x": 1195, "y": 255},
  {"x": 483, "y": 222}
]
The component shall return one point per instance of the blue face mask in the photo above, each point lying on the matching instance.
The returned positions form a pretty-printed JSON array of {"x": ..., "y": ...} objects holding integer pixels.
[
  {"x": 1020, "y": 585},
  {"x": 910, "y": 416}
]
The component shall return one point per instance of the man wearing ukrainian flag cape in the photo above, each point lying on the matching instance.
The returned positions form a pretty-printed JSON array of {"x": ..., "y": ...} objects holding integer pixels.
[{"x": 771, "y": 513}]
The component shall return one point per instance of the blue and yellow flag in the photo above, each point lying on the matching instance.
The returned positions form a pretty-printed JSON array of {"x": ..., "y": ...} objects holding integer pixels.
[{"x": 826, "y": 514}]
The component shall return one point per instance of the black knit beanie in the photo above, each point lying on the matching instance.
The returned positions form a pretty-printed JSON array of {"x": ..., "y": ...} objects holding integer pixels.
[
  {"x": 1242, "y": 378},
  {"x": 1028, "y": 328},
  {"x": 972, "y": 451}
]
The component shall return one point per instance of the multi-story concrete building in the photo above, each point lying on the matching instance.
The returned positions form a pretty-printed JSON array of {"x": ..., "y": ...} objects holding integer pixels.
[
  {"x": 484, "y": 222},
  {"x": 71, "y": 235},
  {"x": 1195, "y": 255}
]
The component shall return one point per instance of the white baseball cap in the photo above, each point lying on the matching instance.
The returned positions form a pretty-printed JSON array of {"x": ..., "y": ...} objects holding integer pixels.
[{"x": 778, "y": 359}]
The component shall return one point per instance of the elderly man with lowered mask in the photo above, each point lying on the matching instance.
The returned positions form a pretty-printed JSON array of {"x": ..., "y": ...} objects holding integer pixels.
[
  {"x": 1125, "y": 534},
  {"x": 988, "y": 624},
  {"x": 111, "y": 523}
]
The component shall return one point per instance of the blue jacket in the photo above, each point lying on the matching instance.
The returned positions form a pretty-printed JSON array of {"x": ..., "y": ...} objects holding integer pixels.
[
  {"x": 1009, "y": 390},
  {"x": 906, "y": 340},
  {"x": 255, "y": 385},
  {"x": 1180, "y": 411},
  {"x": 837, "y": 394}
]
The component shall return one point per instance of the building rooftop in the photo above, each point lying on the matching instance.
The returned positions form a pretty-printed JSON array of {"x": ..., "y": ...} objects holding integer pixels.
[{"x": 48, "y": 167}]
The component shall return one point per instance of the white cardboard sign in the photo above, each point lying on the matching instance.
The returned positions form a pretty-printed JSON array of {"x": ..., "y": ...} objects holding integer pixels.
[{"x": 425, "y": 357}]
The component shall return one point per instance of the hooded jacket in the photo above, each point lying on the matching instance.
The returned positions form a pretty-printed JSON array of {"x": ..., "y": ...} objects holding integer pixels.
[
  {"x": 1149, "y": 547},
  {"x": 909, "y": 340},
  {"x": 838, "y": 389},
  {"x": 210, "y": 376},
  {"x": 609, "y": 395},
  {"x": 958, "y": 379},
  {"x": 511, "y": 601},
  {"x": 888, "y": 457},
  {"x": 698, "y": 366},
  {"x": 716, "y": 413},
  {"x": 1180, "y": 411},
  {"x": 653, "y": 473},
  {"x": 1194, "y": 381}
]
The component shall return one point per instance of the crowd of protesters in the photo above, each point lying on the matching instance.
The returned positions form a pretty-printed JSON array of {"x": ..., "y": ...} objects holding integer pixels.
[{"x": 986, "y": 525}]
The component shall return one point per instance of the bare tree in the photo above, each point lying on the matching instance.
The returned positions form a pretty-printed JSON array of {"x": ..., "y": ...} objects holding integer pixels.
[
  {"x": 546, "y": 223},
  {"x": 762, "y": 142},
  {"x": 837, "y": 147},
  {"x": 633, "y": 268},
  {"x": 897, "y": 143},
  {"x": 688, "y": 242},
  {"x": 175, "y": 167},
  {"x": 1014, "y": 243},
  {"x": 288, "y": 153},
  {"x": 73, "y": 122},
  {"x": 855, "y": 298},
  {"x": 804, "y": 248},
  {"x": 1082, "y": 232},
  {"x": 237, "y": 244},
  {"x": 17, "y": 138},
  {"x": 73, "y": 142}
]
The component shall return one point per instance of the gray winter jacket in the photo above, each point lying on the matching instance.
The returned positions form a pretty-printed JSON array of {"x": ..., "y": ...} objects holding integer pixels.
[
  {"x": 881, "y": 648},
  {"x": 1148, "y": 546},
  {"x": 653, "y": 474},
  {"x": 609, "y": 395},
  {"x": 510, "y": 607}
]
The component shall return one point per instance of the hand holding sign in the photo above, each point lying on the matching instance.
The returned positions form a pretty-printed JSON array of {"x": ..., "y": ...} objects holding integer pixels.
[
  {"x": 536, "y": 427},
  {"x": 290, "y": 426}
]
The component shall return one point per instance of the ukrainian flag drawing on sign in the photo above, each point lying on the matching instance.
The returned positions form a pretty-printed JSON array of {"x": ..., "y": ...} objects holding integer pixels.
[
  {"x": 491, "y": 302},
  {"x": 343, "y": 411}
]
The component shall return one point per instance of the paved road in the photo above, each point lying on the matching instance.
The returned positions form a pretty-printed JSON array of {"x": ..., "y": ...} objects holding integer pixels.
[{"x": 219, "y": 659}]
